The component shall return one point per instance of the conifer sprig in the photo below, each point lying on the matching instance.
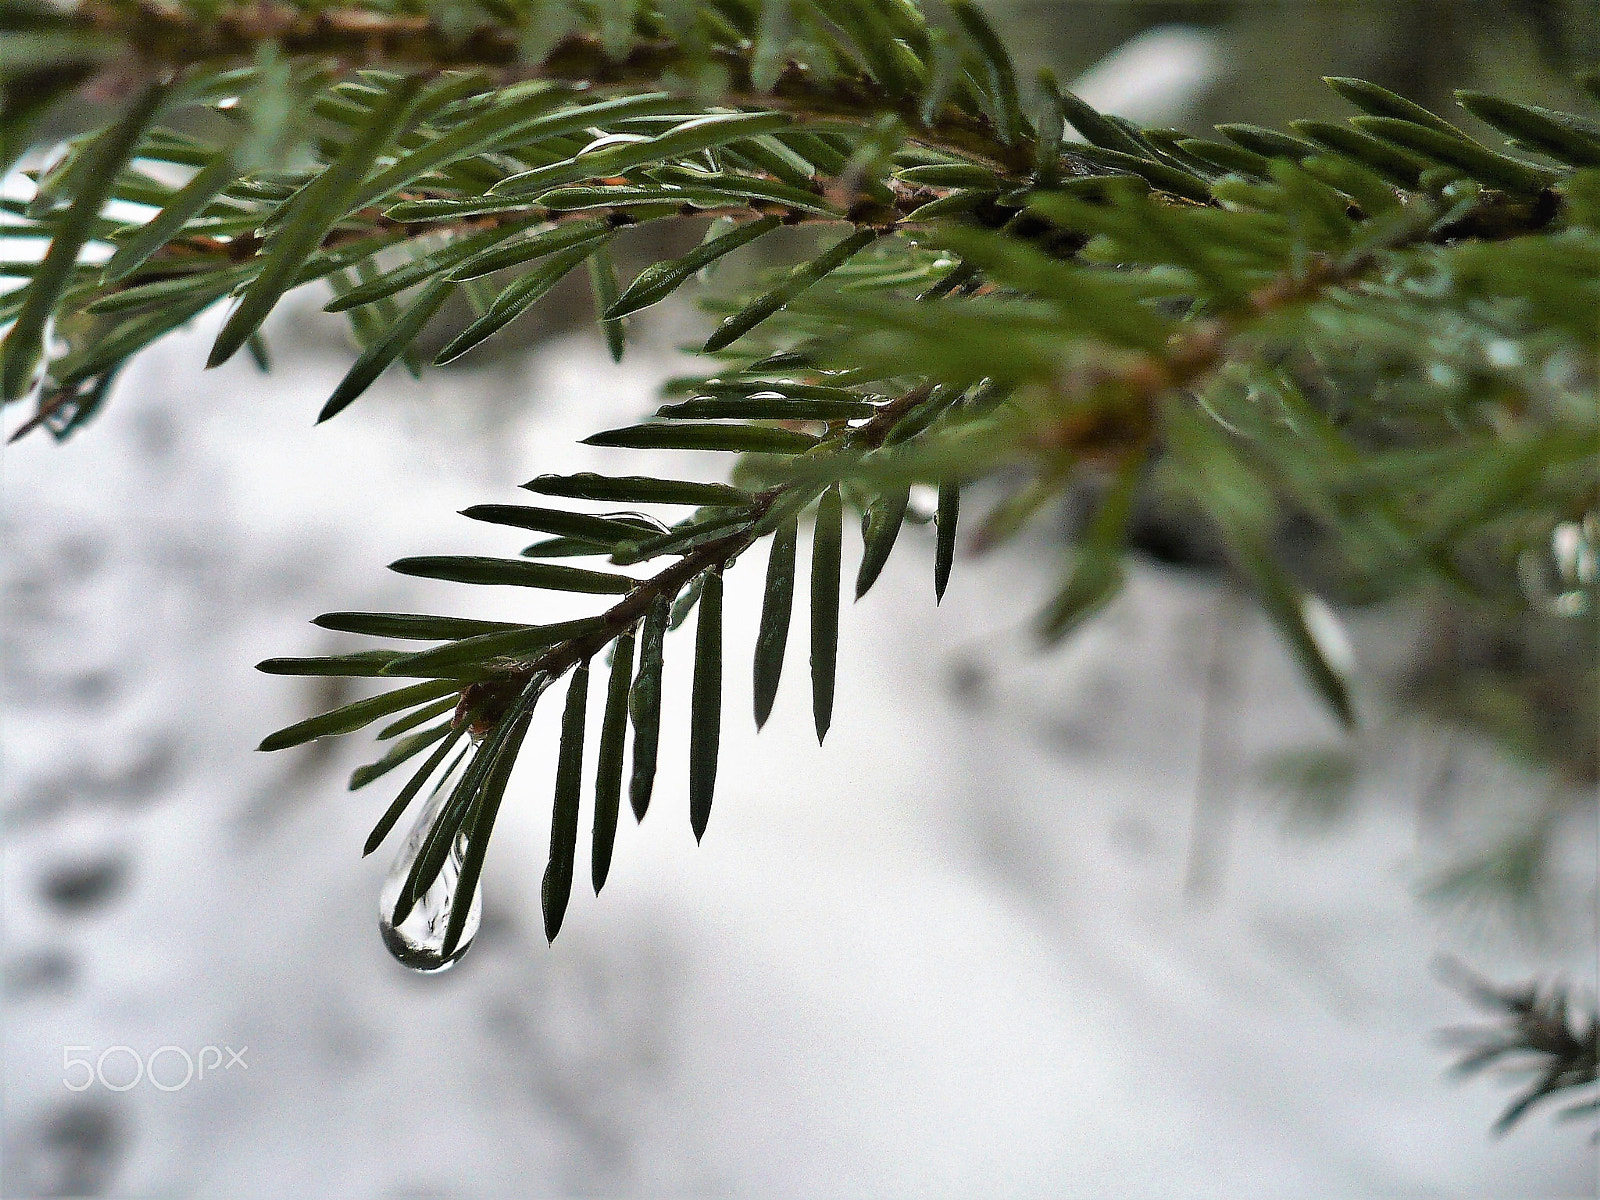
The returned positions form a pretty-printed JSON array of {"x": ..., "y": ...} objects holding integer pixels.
[
  {"x": 1535, "y": 1032},
  {"x": 1384, "y": 327}
]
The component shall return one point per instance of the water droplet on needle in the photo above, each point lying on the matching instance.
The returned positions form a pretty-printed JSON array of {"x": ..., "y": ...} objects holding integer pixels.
[{"x": 418, "y": 941}]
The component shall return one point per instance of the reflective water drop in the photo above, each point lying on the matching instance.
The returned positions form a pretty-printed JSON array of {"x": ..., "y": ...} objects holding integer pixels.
[
  {"x": 1328, "y": 632},
  {"x": 418, "y": 941},
  {"x": 51, "y": 347},
  {"x": 1563, "y": 580},
  {"x": 921, "y": 503}
]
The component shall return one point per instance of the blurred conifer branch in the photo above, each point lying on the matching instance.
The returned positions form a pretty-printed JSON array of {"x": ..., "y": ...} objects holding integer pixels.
[{"x": 1534, "y": 1034}]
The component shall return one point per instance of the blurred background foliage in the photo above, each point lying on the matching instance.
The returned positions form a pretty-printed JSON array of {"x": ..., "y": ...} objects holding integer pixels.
[
  {"x": 1529, "y": 679},
  {"x": 1273, "y": 53}
]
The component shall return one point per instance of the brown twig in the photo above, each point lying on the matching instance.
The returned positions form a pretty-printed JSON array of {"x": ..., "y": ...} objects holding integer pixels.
[
  {"x": 666, "y": 584},
  {"x": 168, "y": 38}
]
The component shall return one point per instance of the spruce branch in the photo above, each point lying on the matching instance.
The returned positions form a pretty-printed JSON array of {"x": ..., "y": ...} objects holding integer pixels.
[
  {"x": 167, "y": 38},
  {"x": 717, "y": 554},
  {"x": 1534, "y": 1033},
  {"x": 1382, "y": 327}
]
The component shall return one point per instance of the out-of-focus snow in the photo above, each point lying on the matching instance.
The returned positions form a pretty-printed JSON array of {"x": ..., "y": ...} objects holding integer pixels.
[
  {"x": 948, "y": 954},
  {"x": 1150, "y": 77}
]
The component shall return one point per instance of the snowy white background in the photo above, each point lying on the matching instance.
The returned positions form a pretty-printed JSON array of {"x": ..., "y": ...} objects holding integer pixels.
[{"x": 948, "y": 954}]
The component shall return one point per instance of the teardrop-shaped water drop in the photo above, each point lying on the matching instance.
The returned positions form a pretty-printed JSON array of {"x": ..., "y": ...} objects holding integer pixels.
[{"x": 418, "y": 941}]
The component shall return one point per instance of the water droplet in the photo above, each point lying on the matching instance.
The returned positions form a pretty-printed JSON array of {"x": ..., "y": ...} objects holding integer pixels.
[
  {"x": 1328, "y": 632},
  {"x": 1503, "y": 353},
  {"x": 418, "y": 941},
  {"x": 51, "y": 347},
  {"x": 1563, "y": 580}
]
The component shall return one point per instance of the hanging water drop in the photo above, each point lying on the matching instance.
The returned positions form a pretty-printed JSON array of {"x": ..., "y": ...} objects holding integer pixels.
[
  {"x": 418, "y": 940},
  {"x": 1564, "y": 579},
  {"x": 922, "y": 502}
]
